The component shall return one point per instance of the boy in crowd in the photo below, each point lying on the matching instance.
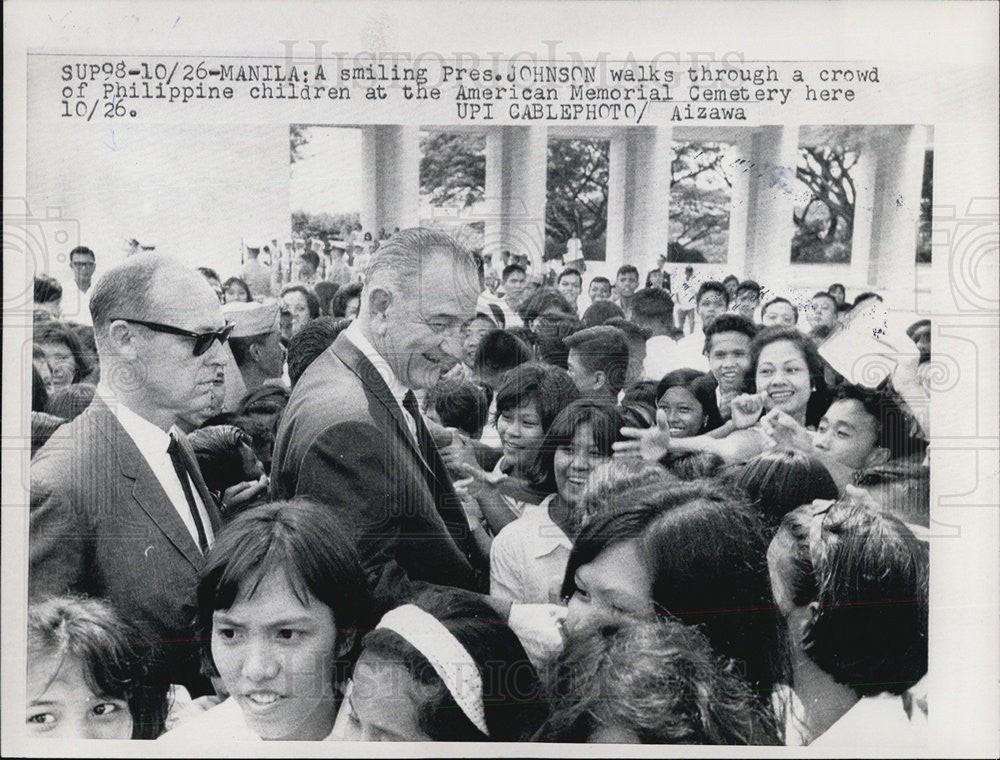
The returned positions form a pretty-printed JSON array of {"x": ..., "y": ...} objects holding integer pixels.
[
  {"x": 570, "y": 284},
  {"x": 712, "y": 300},
  {"x": 747, "y": 299},
  {"x": 598, "y": 361},
  {"x": 727, "y": 346},
  {"x": 600, "y": 289},
  {"x": 626, "y": 282},
  {"x": 779, "y": 312},
  {"x": 823, "y": 316}
]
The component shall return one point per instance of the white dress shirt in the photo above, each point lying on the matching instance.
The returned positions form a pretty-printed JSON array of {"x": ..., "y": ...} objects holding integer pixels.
[
  {"x": 75, "y": 303},
  {"x": 152, "y": 443},
  {"x": 528, "y": 557},
  {"x": 396, "y": 388}
]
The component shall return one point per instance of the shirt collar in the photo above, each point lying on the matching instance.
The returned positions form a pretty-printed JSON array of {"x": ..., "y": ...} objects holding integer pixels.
[
  {"x": 357, "y": 337},
  {"x": 549, "y": 536},
  {"x": 147, "y": 436}
]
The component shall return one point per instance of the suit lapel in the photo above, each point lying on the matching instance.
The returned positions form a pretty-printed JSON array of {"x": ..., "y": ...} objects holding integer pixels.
[
  {"x": 147, "y": 492},
  {"x": 194, "y": 470}
]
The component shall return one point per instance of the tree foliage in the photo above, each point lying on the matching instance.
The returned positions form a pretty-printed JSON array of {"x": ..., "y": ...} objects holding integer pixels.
[
  {"x": 453, "y": 168},
  {"x": 577, "y": 195},
  {"x": 700, "y": 200},
  {"x": 298, "y": 136},
  {"x": 324, "y": 225}
]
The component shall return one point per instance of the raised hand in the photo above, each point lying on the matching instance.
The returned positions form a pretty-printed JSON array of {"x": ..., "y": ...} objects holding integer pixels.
[
  {"x": 747, "y": 409},
  {"x": 649, "y": 443}
]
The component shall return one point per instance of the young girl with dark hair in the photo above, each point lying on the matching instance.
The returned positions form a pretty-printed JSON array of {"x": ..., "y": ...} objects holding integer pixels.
[
  {"x": 690, "y": 550},
  {"x": 528, "y": 557},
  {"x": 442, "y": 668},
  {"x": 280, "y": 601},
  {"x": 87, "y": 676},
  {"x": 851, "y": 584}
]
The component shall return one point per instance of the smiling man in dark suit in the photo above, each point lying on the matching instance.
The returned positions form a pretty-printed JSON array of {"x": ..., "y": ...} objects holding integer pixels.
[{"x": 119, "y": 509}]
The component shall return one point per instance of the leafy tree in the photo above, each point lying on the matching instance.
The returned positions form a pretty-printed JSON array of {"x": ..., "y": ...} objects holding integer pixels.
[
  {"x": 700, "y": 200},
  {"x": 298, "y": 135},
  {"x": 577, "y": 195},
  {"x": 453, "y": 168},
  {"x": 324, "y": 225}
]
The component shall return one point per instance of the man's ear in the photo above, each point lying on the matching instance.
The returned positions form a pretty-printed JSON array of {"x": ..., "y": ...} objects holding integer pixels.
[
  {"x": 254, "y": 351},
  {"x": 878, "y": 456},
  {"x": 379, "y": 301},
  {"x": 600, "y": 379},
  {"x": 122, "y": 339}
]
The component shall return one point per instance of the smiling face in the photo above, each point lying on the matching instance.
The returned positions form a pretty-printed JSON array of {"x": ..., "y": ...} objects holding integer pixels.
[
  {"x": 600, "y": 291},
  {"x": 615, "y": 582},
  {"x": 847, "y": 433},
  {"x": 418, "y": 330},
  {"x": 275, "y": 655},
  {"x": 685, "y": 414},
  {"x": 574, "y": 463},
  {"x": 62, "y": 705},
  {"x": 474, "y": 333},
  {"x": 571, "y": 285},
  {"x": 61, "y": 362},
  {"x": 521, "y": 434},
  {"x": 382, "y": 704},
  {"x": 783, "y": 374},
  {"x": 626, "y": 284},
  {"x": 729, "y": 359}
]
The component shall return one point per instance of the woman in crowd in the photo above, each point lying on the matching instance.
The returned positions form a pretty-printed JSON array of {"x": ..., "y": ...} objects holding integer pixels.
[
  {"x": 443, "y": 668},
  {"x": 528, "y": 557},
  {"x": 851, "y": 583},
  {"x": 527, "y": 402},
  {"x": 691, "y": 550},
  {"x": 685, "y": 402},
  {"x": 87, "y": 678},
  {"x": 776, "y": 482},
  {"x": 63, "y": 353},
  {"x": 280, "y": 600},
  {"x": 347, "y": 301},
  {"x": 236, "y": 290},
  {"x": 788, "y": 376},
  {"x": 650, "y": 682}
]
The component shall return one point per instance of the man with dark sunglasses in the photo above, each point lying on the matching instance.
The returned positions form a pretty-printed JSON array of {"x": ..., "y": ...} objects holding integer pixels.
[{"x": 119, "y": 508}]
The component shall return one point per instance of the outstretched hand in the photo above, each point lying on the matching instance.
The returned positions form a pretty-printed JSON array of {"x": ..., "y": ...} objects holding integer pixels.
[
  {"x": 784, "y": 432},
  {"x": 651, "y": 444},
  {"x": 747, "y": 409}
]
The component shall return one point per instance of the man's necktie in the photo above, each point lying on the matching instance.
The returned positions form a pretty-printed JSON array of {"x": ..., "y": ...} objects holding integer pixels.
[{"x": 174, "y": 450}]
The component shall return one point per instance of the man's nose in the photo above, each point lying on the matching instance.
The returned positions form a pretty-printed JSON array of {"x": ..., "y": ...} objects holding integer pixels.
[{"x": 260, "y": 664}]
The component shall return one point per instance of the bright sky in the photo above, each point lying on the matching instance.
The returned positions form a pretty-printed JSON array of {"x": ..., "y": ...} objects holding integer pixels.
[{"x": 328, "y": 176}]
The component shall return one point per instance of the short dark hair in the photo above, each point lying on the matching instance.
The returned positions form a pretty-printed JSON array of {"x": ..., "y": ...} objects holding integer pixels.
[
  {"x": 311, "y": 258},
  {"x": 728, "y": 323},
  {"x": 60, "y": 332},
  {"x": 641, "y": 392},
  {"x": 240, "y": 283},
  {"x": 712, "y": 286},
  {"x": 500, "y": 350},
  {"x": 325, "y": 292},
  {"x": 569, "y": 272},
  {"x": 652, "y": 303},
  {"x": 892, "y": 423},
  {"x": 550, "y": 388},
  {"x": 309, "y": 342},
  {"x": 600, "y": 279},
  {"x": 602, "y": 349},
  {"x": 869, "y": 578},
  {"x": 300, "y": 539},
  {"x": 460, "y": 404},
  {"x": 731, "y": 278},
  {"x": 750, "y": 285},
  {"x": 827, "y": 295},
  {"x": 776, "y": 482},
  {"x": 544, "y": 300},
  {"x": 511, "y": 269},
  {"x": 836, "y": 285},
  {"x": 627, "y": 269},
  {"x": 338, "y": 304},
  {"x": 605, "y": 422},
  {"x": 47, "y": 289},
  {"x": 599, "y": 312},
  {"x": 705, "y": 551},
  {"x": 312, "y": 302},
  {"x": 779, "y": 299},
  {"x": 511, "y": 688},
  {"x": 630, "y": 330},
  {"x": 658, "y": 679},
  {"x": 81, "y": 250},
  {"x": 819, "y": 399},
  {"x": 108, "y": 651},
  {"x": 865, "y": 296}
]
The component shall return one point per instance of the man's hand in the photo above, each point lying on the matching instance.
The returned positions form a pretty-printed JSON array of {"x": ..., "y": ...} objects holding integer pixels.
[
  {"x": 473, "y": 512},
  {"x": 458, "y": 453},
  {"x": 651, "y": 444},
  {"x": 747, "y": 408},
  {"x": 239, "y": 497},
  {"x": 540, "y": 630}
]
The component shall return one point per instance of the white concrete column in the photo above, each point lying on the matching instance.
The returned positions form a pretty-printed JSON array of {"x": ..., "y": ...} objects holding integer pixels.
[
  {"x": 770, "y": 199},
  {"x": 896, "y": 211},
  {"x": 391, "y": 182},
  {"x": 865, "y": 199},
  {"x": 516, "y": 162},
  {"x": 739, "y": 209}
]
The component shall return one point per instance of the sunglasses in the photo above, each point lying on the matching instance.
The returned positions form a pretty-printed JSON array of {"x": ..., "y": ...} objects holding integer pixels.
[{"x": 202, "y": 341}]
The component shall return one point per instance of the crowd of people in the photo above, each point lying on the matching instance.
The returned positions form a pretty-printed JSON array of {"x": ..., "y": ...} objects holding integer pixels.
[{"x": 432, "y": 501}]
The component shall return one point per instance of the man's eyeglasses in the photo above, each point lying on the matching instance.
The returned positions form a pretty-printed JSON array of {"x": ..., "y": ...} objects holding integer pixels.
[{"x": 202, "y": 341}]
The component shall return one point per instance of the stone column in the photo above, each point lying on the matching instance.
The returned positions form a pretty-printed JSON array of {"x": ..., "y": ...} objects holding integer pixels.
[{"x": 391, "y": 182}]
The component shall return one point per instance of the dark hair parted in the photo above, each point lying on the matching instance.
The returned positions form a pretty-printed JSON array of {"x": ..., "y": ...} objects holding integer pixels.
[
  {"x": 114, "y": 664},
  {"x": 546, "y": 301},
  {"x": 602, "y": 349},
  {"x": 605, "y": 421},
  {"x": 498, "y": 351},
  {"x": 776, "y": 482},
  {"x": 599, "y": 312},
  {"x": 47, "y": 289},
  {"x": 705, "y": 551},
  {"x": 691, "y": 380},
  {"x": 338, "y": 304},
  {"x": 819, "y": 399},
  {"x": 309, "y": 342},
  {"x": 511, "y": 688},
  {"x": 627, "y": 269},
  {"x": 511, "y": 269},
  {"x": 652, "y": 303},
  {"x": 868, "y": 575},
  {"x": 311, "y": 258},
  {"x": 303, "y": 541},
  {"x": 659, "y": 680},
  {"x": 312, "y": 302},
  {"x": 728, "y": 323},
  {"x": 460, "y": 404},
  {"x": 549, "y": 388}
]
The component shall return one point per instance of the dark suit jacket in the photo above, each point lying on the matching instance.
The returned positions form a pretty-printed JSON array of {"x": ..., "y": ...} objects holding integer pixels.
[
  {"x": 102, "y": 525},
  {"x": 344, "y": 441}
]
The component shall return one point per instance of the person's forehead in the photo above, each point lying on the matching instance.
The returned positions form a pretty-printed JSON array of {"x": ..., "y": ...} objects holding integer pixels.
[
  {"x": 730, "y": 339},
  {"x": 849, "y": 411},
  {"x": 184, "y": 299},
  {"x": 781, "y": 350},
  {"x": 677, "y": 393}
]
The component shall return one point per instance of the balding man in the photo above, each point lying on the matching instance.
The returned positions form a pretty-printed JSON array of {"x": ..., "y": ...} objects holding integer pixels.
[{"x": 119, "y": 509}]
